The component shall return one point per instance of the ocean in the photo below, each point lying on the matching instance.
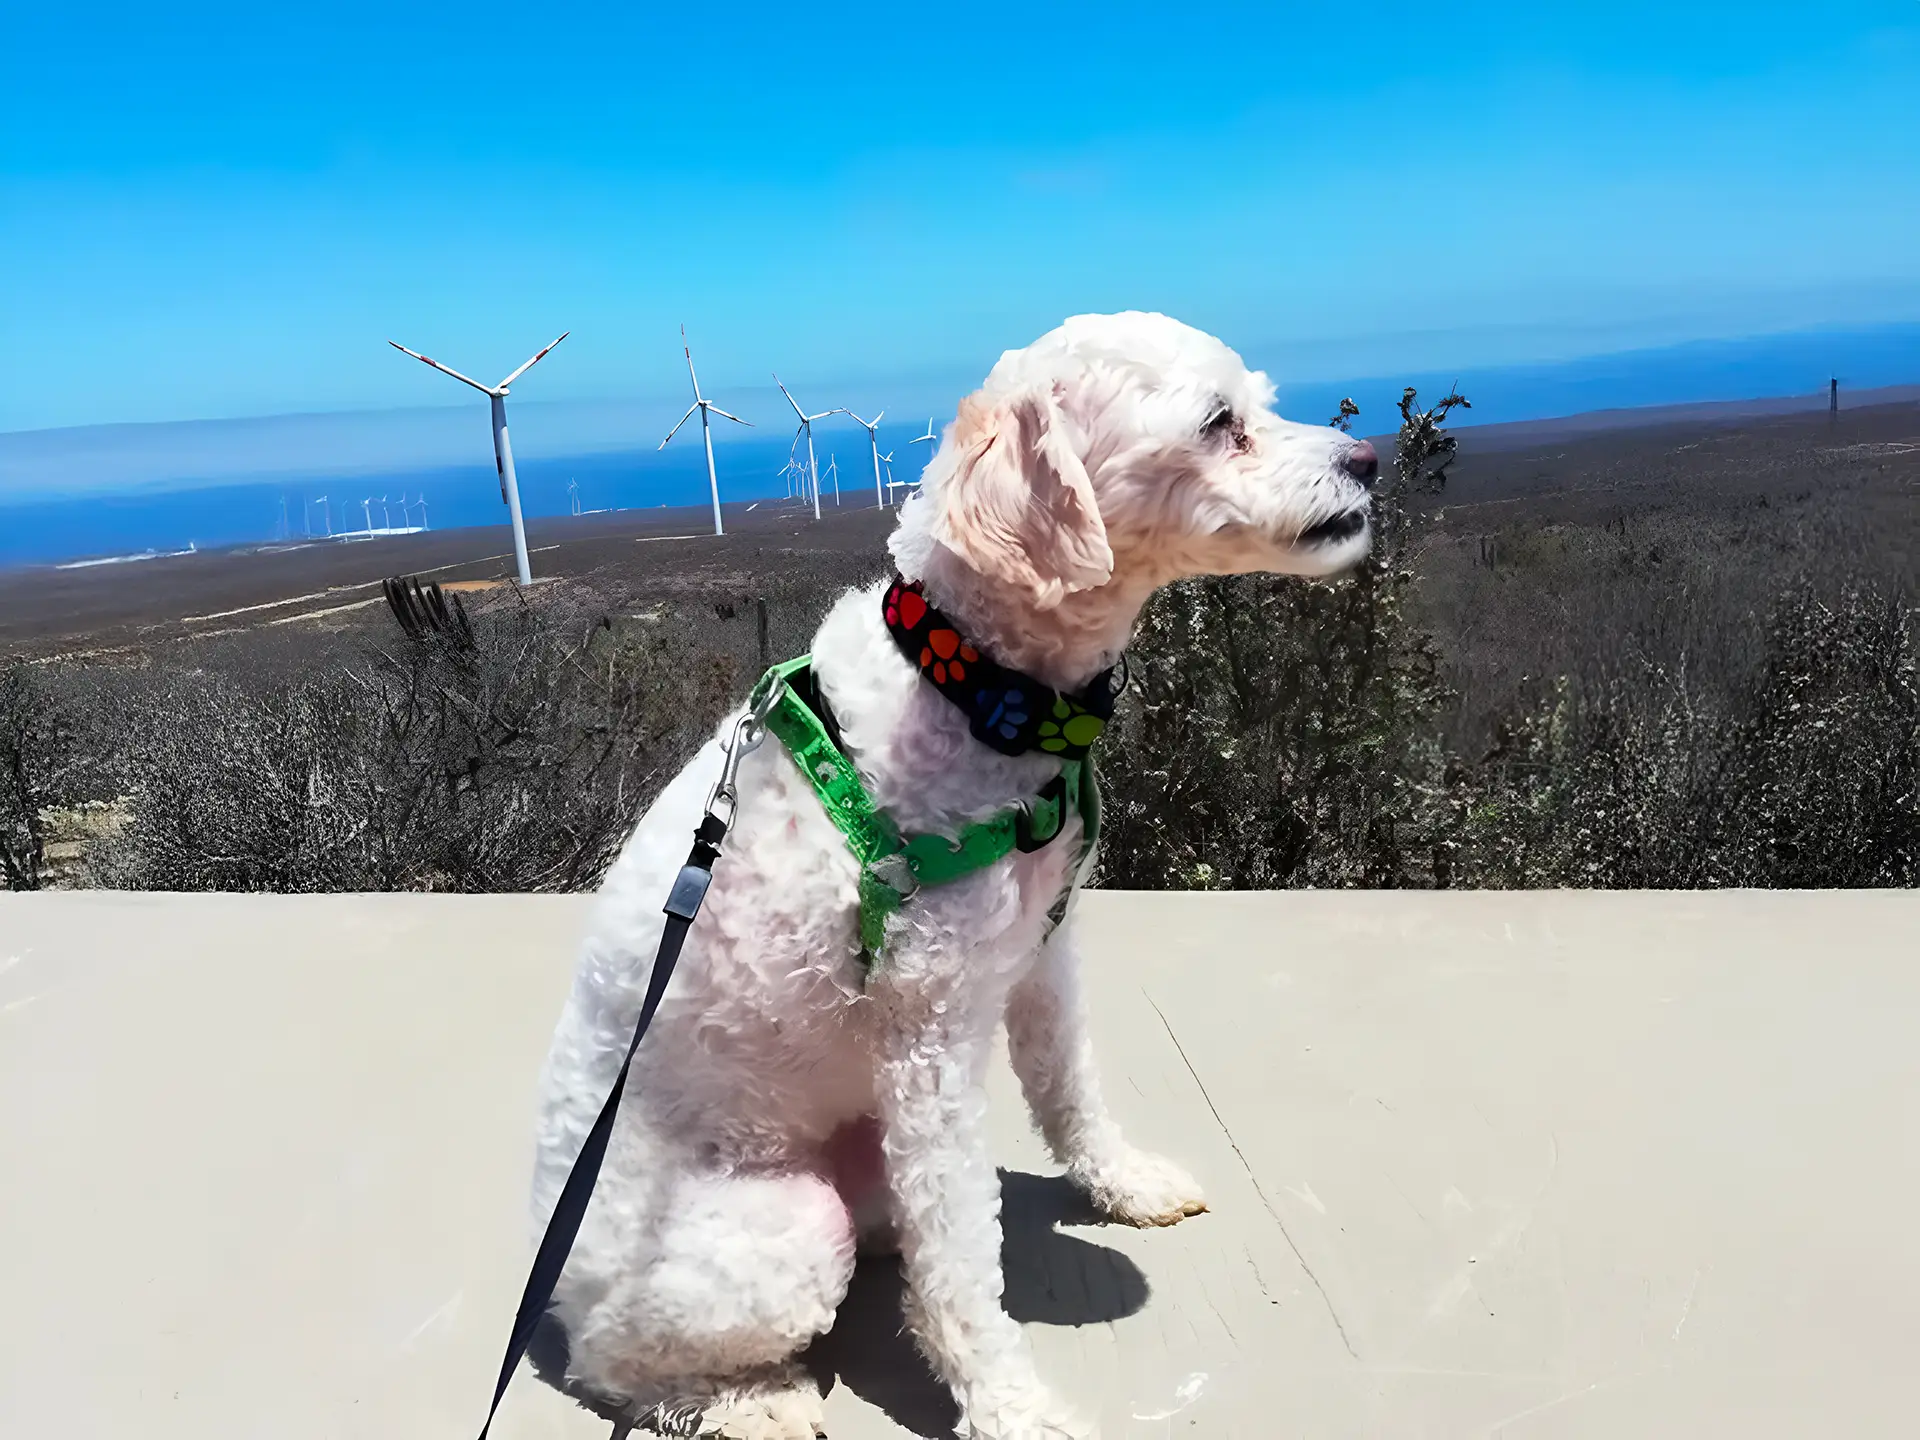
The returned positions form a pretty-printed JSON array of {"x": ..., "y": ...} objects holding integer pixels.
[{"x": 130, "y": 526}]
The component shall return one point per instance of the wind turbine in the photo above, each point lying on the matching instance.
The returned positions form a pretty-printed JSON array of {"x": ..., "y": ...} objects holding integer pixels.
[
  {"x": 806, "y": 428},
  {"x": 892, "y": 484},
  {"x": 502, "y": 451},
  {"x": 833, "y": 474},
  {"x": 703, "y": 405},
  {"x": 795, "y": 474},
  {"x": 326, "y": 514},
  {"x": 423, "y": 509},
  {"x": 367, "y": 505},
  {"x": 873, "y": 439},
  {"x": 930, "y": 439},
  {"x": 573, "y": 492},
  {"x": 386, "y": 515}
]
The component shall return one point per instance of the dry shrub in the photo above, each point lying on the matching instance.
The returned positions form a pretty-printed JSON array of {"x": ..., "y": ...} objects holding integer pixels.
[
  {"x": 514, "y": 761},
  {"x": 1812, "y": 781},
  {"x": 1278, "y": 732}
]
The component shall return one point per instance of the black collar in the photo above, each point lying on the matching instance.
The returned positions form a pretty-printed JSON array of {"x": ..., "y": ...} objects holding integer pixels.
[{"x": 1012, "y": 712}]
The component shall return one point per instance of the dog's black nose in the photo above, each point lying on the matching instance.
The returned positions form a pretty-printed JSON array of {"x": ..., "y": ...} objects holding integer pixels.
[{"x": 1361, "y": 461}]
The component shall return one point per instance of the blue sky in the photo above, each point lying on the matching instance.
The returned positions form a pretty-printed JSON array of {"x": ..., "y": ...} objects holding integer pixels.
[{"x": 212, "y": 211}]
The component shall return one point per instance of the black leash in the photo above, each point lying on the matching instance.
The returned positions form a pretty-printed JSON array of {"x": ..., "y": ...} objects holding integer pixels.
[{"x": 683, "y": 903}]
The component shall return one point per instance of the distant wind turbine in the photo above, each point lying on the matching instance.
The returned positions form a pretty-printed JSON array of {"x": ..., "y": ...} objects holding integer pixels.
[
  {"x": 573, "y": 492},
  {"x": 892, "y": 484},
  {"x": 873, "y": 439},
  {"x": 703, "y": 405},
  {"x": 795, "y": 474},
  {"x": 806, "y": 428},
  {"x": 502, "y": 450},
  {"x": 386, "y": 515},
  {"x": 931, "y": 440},
  {"x": 423, "y": 509},
  {"x": 326, "y": 514},
  {"x": 833, "y": 474},
  {"x": 367, "y": 505}
]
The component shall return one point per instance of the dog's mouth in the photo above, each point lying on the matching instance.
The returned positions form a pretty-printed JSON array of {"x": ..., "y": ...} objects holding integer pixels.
[{"x": 1335, "y": 528}]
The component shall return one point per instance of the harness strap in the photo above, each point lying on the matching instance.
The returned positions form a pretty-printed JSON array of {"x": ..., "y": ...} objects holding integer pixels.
[{"x": 893, "y": 866}]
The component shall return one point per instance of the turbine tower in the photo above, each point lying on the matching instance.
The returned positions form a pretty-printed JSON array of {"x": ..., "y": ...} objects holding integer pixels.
[
  {"x": 703, "y": 405},
  {"x": 931, "y": 440},
  {"x": 806, "y": 428},
  {"x": 873, "y": 439},
  {"x": 502, "y": 450},
  {"x": 833, "y": 474}
]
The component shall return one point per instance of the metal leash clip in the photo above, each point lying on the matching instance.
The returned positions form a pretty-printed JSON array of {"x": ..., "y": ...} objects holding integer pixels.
[{"x": 748, "y": 732}]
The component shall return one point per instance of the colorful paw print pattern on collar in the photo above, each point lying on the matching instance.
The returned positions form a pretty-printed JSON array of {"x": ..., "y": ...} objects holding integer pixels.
[{"x": 1012, "y": 712}]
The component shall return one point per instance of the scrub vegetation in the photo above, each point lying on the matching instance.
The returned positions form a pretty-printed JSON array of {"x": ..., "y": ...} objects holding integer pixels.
[{"x": 1679, "y": 657}]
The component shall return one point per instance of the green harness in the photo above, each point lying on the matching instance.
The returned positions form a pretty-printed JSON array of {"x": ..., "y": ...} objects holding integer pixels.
[{"x": 893, "y": 866}]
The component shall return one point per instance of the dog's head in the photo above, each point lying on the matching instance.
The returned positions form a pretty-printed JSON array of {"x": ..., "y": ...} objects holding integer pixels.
[{"x": 1134, "y": 448}]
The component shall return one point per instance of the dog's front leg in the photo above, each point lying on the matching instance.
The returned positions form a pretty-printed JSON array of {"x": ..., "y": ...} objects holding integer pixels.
[
  {"x": 934, "y": 1043},
  {"x": 1053, "y": 1055}
]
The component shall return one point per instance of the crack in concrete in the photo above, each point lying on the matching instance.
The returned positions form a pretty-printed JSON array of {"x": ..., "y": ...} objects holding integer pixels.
[{"x": 1258, "y": 1188}]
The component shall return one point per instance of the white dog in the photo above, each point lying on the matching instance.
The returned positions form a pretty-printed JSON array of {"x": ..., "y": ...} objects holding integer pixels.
[{"x": 786, "y": 1104}]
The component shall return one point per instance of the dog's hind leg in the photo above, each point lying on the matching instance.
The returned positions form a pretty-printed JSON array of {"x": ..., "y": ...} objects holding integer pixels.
[
  {"x": 1053, "y": 1056},
  {"x": 698, "y": 1335}
]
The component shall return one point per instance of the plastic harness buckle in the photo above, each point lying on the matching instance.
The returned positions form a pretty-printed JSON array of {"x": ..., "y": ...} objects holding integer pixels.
[{"x": 1040, "y": 818}]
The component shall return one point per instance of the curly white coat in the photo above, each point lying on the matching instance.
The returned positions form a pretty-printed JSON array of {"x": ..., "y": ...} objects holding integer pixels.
[{"x": 785, "y": 1105}]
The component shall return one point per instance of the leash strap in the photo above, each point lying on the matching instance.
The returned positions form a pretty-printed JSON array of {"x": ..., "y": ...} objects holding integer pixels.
[{"x": 683, "y": 903}]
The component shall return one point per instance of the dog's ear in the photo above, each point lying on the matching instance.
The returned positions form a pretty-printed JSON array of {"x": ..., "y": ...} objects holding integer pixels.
[{"x": 1017, "y": 504}]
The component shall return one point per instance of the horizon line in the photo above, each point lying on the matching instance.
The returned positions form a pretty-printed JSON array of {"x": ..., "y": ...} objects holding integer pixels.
[{"x": 933, "y": 375}]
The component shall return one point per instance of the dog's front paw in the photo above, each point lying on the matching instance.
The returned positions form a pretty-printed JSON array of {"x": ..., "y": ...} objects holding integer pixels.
[
  {"x": 1142, "y": 1189},
  {"x": 1028, "y": 1413}
]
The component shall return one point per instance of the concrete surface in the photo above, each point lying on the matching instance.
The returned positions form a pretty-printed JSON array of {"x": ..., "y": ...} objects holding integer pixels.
[{"x": 1482, "y": 1165}]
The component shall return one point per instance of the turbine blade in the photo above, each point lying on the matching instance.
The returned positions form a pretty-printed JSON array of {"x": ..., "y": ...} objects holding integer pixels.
[
  {"x": 790, "y": 400},
  {"x": 676, "y": 429},
  {"x": 735, "y": 418},
  {"x": 443, "y": 369},
  {"x": 531, "y": 363},
  {"x": 878, "y": 418},
  {"x": 688, "y": 350}
]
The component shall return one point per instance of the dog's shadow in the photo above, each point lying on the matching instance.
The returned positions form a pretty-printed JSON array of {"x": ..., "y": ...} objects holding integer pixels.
[{"x": 1052, "y": 1279}]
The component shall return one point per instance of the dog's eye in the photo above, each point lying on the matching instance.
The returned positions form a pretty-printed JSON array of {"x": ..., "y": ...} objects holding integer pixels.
[{"x": 1223, "y": 424}]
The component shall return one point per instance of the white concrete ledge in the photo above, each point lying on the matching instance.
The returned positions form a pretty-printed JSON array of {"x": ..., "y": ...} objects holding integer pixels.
[{"x": 1482, "y": 1165}]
